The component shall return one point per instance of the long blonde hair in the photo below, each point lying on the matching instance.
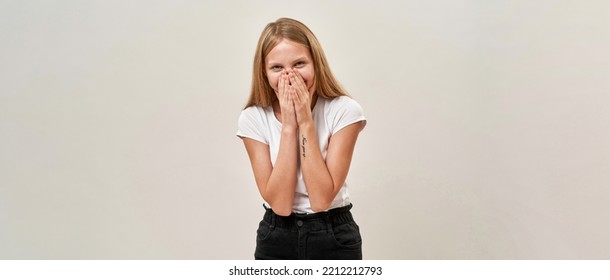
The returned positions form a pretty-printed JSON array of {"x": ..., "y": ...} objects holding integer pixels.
[{"x": 261, "y": 93}]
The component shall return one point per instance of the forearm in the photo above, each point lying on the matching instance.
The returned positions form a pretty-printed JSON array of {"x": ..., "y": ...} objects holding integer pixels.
[
  {"x": 280, "y": 188},
  {"x": 318, "y": 180}
]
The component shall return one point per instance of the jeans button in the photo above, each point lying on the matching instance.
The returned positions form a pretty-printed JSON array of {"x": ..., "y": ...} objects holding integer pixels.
[{"x": 299, "y": 223}]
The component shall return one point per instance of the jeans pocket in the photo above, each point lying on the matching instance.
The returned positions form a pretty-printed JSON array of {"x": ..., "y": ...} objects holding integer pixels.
[
  {"x": 347, "y": 235},
  {"x": 263, "y": 231}
]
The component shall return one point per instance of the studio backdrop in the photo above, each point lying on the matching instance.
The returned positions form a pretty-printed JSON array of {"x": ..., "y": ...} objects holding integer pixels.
[{"x": 488, "y": 131}]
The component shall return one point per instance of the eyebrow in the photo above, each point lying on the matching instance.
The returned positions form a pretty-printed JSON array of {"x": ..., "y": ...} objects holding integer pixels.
[{"x": 300, "y": 58}]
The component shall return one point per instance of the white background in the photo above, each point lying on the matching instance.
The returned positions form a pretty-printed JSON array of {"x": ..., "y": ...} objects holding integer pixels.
[{"x": 488, "y": 131}]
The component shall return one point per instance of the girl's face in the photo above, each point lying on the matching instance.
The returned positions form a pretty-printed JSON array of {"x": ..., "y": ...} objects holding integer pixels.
[{"x": 290, "y": 55}]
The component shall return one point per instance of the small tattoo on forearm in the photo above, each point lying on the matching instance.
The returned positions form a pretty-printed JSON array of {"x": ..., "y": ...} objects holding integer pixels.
[{"x": 303, "y": 141}]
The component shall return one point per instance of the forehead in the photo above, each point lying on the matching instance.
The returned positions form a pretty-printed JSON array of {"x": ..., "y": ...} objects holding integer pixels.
[{"x": 286, "y": 51}]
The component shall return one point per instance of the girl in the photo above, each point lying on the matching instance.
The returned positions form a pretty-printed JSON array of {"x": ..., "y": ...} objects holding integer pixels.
[{"x": 299, "y": 128}]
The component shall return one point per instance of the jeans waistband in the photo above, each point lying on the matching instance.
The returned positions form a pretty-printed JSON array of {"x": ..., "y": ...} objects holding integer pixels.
[{"x": 336, "y": 216}]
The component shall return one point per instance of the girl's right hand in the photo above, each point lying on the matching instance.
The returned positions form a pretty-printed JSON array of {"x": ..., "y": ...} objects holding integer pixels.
[{"x": 289, "y": 118}]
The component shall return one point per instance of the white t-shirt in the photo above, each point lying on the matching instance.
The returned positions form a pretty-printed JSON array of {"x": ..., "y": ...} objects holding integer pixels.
[{"x": 329, "y": 116}]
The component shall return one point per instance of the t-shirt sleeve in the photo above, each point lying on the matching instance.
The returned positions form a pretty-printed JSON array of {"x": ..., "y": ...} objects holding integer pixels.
[
  {"x": 346, "y": 111},
  {"x": 250, "y": 124}
]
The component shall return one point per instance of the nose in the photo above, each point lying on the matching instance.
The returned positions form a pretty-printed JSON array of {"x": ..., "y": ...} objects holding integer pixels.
[{"x": 295, "y": 71}]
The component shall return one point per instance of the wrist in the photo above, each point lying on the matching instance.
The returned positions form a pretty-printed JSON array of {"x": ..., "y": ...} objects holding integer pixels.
[
  {"x": 289, "y": 129},
  {"x": 304, "y": 125}
]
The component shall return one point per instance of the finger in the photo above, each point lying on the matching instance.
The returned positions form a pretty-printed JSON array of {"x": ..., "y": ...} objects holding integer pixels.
[
  {"x": 301, "y": 95},
  {"x": 280, "y": 86},
  {"x": 297, "y": 84},
  {"x": 294, "y": 96},
  {"x": 299, "y": 79},
  {"x": 290, "y": 89},
  {"x": 287, "y": 91},
  {"x": 291, "y": 98},
  {"x": 284, "y": 84}
]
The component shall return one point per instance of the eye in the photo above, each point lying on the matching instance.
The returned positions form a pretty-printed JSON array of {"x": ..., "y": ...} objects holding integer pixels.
[
  {"x": 299, "y": 64},
  {"x": 276, "y": 68}
]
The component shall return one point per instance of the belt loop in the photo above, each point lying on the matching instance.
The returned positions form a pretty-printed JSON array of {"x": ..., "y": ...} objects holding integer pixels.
[
  {"x": 329, "y": 222},
  {"x": 272, "y": 220},
  {"x": 269, "y": 211}
]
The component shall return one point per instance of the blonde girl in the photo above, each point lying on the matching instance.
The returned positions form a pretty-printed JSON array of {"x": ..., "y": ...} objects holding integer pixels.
[{"x": 299, "y": 128}]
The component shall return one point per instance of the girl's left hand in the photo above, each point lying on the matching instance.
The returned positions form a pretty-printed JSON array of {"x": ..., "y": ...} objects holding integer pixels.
[{"x": 300, "y": 97}]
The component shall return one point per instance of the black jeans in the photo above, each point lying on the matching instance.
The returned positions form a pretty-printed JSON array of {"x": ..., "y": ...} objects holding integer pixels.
[{"x": 331, "y": 235}]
